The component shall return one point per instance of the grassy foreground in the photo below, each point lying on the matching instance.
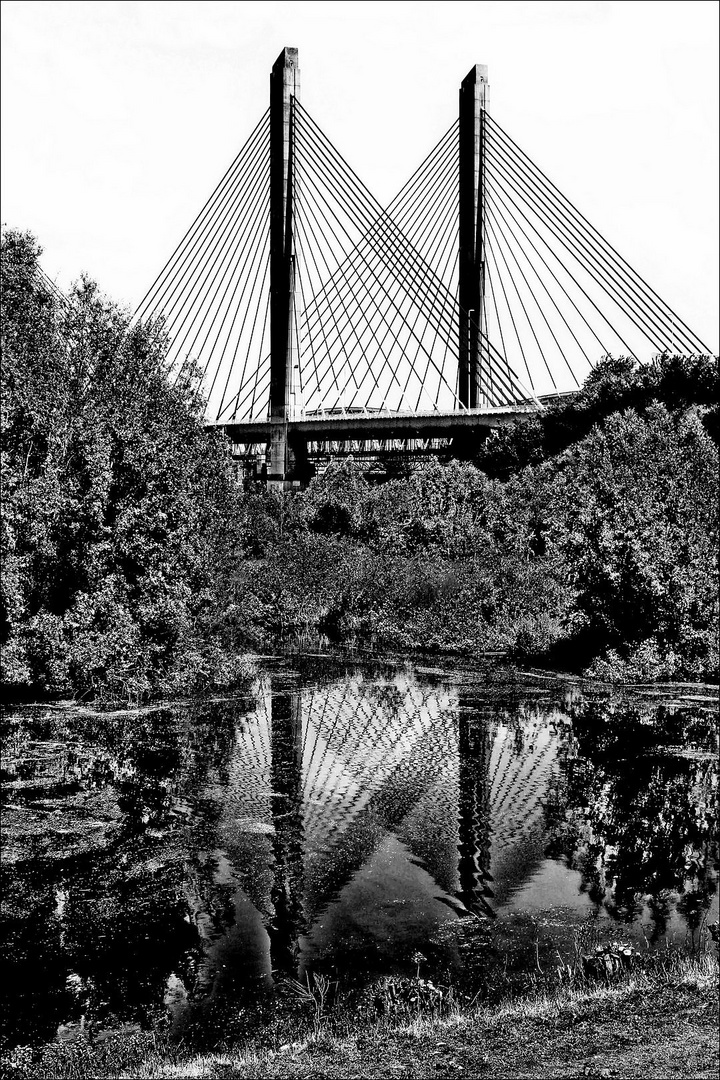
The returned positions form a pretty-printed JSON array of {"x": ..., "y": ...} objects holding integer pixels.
[{"x": 660, "y": 1023}]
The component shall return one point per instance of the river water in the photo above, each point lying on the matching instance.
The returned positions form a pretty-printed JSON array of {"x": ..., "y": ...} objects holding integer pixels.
[{"x": 355, "y": 820}]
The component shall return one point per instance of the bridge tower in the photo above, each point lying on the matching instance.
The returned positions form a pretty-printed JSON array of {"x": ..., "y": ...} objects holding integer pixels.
[
  {"x": 471, "y": 261},
  {"x": 284, "y": 87}
]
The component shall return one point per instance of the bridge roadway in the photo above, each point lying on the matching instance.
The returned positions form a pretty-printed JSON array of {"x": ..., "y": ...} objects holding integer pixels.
[{"x": 382, "y": 425}]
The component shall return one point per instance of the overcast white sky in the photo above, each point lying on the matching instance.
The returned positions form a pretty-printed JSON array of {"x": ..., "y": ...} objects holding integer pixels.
[{"x": 119, "y": 118}]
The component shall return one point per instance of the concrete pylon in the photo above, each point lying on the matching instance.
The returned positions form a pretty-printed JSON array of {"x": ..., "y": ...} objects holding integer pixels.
[
  {"x": 284, "y": 87},
  {"x": 471, "y": 262}
]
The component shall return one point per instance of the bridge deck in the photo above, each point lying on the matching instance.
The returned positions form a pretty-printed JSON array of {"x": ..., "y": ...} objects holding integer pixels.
[{"x": 381, "y": 425}]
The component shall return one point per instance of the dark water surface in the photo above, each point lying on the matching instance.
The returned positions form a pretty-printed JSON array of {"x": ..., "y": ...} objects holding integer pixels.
[{"x": 351, "y": 820}]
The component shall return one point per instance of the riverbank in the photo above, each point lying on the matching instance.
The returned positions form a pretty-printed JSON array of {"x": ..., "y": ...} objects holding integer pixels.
[{"x": 658, "y": 1022}]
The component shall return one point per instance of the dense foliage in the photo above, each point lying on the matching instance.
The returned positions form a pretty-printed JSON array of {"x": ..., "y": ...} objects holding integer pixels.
[
  {"x": 117, "y": 505},
  {"x": 614, "y": 385},
  {"x": 602, "y": 553}
]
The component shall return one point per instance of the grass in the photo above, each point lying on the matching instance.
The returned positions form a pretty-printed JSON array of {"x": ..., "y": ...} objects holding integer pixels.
[{"x": 658, "y": 1020}]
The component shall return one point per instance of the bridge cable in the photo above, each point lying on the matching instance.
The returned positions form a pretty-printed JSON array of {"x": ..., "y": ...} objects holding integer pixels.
[
  {"x": 324, "y": 258},
  {"x": 421, "y": 203},
  {"x": 200, "y": 229},
  {"x": 589, "y": 228},
  {"x": 370, "y": 326},
  {"x": 362, "y": 190},
  {"x": 500, "y": 220},
  {"x": 529, "y": 240},
  {"x": 258, "y": 242},
  {"x": 302, "y": 212},
  {"x": 340, "y": 292},
  {"x": 310, "y": 211},
  {"x": 253, "y": 383},
  {"x": 343, "y": 272},
  {"x": 499, "y": 179},
  {"x": 408, "y": 199},
  {"x": 398, "y": 285},
  {"x": 300, "y": 261},
  {"x": 367, "y": 239},
  {"x": 491, "y": 251},
  {"x": 427, "y": 219},
  {"x": 445, "y": 233},
  {"x": 452, "y": 259},
  {"x": 379, "y": 217},
  {"x": 574, "y": 240},
  {"x": 238, "y": 219},
  {"x": 222, "y": 266},
  {"x": 301, "y": 225},
  {"x": 399, "y": 203},
  {"x": 586, "y": 264},
  {"x": 406, "y": 193},
  {"x": 435, "y": 253},
  {"x": 499, "y": 323},
  {"x": 48, "y": 286},
  {"x": 396, "y": 239},
  {"x": 198, "y": 222},
  {"x": 250, "y": 386},
  {"x": 456, "y": 263},
  {"x": 583, "y": 238},
  {"x": 250, "y": 237},
  {"x": 522, "y": 304},
  {"x": 260, "y": 346},
  {"x": 245, "y": 316}
]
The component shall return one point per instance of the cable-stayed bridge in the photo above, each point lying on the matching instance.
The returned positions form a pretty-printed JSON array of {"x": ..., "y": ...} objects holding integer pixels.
[{"x": 308, "y": 314}]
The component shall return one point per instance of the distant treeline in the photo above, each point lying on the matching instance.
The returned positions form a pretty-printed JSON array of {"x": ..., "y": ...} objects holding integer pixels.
[{"x": 134, "y": 565}]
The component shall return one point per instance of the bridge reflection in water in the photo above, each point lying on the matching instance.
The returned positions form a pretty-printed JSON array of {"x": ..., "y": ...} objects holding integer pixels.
[{"x": 358, "y": 817}]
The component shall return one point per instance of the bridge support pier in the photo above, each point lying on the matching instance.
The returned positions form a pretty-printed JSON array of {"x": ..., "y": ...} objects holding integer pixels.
[
  {"x": 284, "y": 87},
  {"x": 471, "y": 260}
]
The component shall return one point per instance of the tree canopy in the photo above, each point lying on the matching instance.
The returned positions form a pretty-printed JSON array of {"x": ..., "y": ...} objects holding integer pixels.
[{"x": 117, "y": 503}]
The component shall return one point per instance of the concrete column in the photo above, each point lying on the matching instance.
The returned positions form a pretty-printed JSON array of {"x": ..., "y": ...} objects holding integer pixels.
[
  {"x": 471, "y": 196},
  {"x": 284, "y": 86}
]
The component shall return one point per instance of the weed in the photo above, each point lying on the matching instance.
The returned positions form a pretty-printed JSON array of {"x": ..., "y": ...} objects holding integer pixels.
[
  {"x": 315, "y": 992},
  {"x": 409, "y": 996}
]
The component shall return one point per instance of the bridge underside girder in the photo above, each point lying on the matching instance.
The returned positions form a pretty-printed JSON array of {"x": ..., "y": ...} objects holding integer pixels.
[{"x": 371, "y": 436}]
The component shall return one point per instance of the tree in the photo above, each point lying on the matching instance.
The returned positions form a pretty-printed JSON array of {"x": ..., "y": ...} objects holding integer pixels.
[
  {"x": 615, "y": 384},
  {"x": 118, "y": 505},
  {"x": 638, "y": 504}
]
